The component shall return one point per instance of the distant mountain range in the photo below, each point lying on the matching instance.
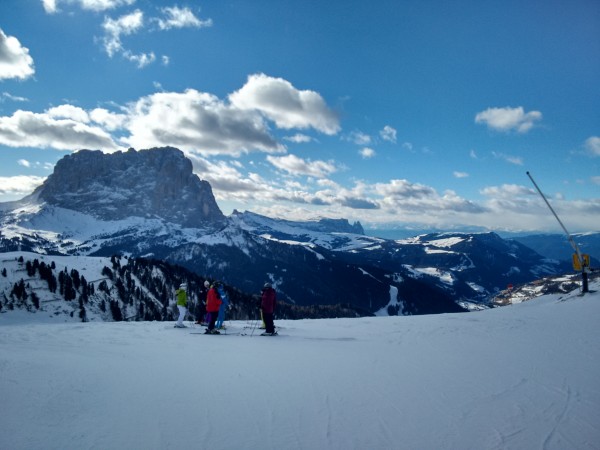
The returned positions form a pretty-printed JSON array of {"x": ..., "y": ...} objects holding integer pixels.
[
  {"x": 150, "y": 204},
  {"x": 557, "y": 246}
]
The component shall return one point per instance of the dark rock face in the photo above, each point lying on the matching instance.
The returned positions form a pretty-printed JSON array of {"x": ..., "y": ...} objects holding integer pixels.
[{"x": 149, "y": 183}]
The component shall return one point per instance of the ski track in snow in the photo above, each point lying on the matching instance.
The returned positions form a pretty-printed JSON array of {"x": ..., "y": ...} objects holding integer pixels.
[{"x": 518, "y": 377}]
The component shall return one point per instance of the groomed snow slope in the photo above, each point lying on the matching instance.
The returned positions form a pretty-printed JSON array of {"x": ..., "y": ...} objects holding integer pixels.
[{"x": 518, "y": 377}]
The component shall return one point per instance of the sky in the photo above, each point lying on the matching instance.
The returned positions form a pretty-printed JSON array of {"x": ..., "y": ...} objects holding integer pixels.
[{"x": 414, "y": 114}]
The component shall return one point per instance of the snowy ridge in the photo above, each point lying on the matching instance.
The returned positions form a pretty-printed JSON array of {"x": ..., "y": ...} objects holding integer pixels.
[{"x": 518, "y": 377}]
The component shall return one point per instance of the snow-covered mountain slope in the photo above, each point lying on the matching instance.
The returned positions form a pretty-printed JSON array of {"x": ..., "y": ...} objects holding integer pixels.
[
  {"x": 326, "y": 233},
  {"x": 149, "y": 203},
  {"x": 428, "y": 273},
  {"x": 519, "y": 377},
  {"x": 85, "y": 288}
]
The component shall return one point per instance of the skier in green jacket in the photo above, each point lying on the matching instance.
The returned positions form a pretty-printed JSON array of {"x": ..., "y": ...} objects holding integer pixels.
[{"x": 181, "y": 295}]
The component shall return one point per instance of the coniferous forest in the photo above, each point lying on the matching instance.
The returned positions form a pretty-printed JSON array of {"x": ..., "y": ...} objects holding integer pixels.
[{"x": 135, "y": 289}]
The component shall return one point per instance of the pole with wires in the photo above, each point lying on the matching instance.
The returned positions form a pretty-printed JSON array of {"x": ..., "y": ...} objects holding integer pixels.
[{"x": 583, "y": 263}]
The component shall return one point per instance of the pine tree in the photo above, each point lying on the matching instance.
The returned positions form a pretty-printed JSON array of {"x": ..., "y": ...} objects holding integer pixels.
[{"x": 36, "y": 300}]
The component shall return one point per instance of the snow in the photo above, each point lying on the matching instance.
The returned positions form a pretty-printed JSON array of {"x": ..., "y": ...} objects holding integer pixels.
[
  {"x": 518, "y": 377},
  {"x": 394, "y": 302},
  {"x": 444, "y": 276}
]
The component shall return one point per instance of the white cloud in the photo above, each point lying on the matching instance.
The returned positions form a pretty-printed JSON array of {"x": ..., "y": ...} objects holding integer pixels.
[
  {"x": 298, "y": 166},
  {"x": 409, "y": 197},
  {"x": 24, "y": 163},
  {"x": 197, "y": 122},
  {"x": 124, "y": 25},
  {"x": 69, "y": 112},
  {"x": 516, "y": 160},
  {"x": 51, "y": 6},
  {"x": 109, "y": 120},
  {"x": 132, "y": 23},
  {"x": 298, "y": 138},
  {"x": 592, "y": 144},
  {"x": 141, "y": 59},
  {"x": 15, "y": 61},
  {"x": 388, "y": 134},
  {"x": 460, "y": 174},
  {"x": 19, "y": 185},
  {"x": 27, "y": 129},
  {"x": 367, "y": 153},
  {"x": 176, "y": 17},
  {"x": 193, "y": 121},
  {"x": 287, "y": 106},
  {"x": 507, "y": 119},
  {"x": 13, "y": 98},
  {"x": 508, "y": 191},
  {"x": 359, "y": 138}
]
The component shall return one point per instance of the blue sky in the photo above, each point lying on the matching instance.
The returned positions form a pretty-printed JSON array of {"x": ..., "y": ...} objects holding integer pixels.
[{"x": 393, "y": 113}]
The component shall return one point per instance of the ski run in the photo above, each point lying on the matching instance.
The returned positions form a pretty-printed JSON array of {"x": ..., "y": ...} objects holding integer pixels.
[{"x": 518, "y": 377}]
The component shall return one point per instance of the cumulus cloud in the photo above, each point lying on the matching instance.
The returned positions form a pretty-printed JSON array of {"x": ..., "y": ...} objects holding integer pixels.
[
  {"x": 358, "y": 138},
  {"x": 388, "y": 134},
  {"x": 107, "y": 119},
  {"x": 194, "y": 121},
  {"x": 592, "y": 145},
  {"x": 19, "y": 185},
  {"x": 278, "y": 100},
  {"x": 15, "y": 61},
  {"x": 298, "y": 166},
  {"x": 27, "y": 129},
  {"x": 51, "y": 6},
  {"x": 519, "y": 206},
  {"x": 367, "y": 153},
  {"x": 298, "y": 138},
  {"x": 140, "y": 59},
  {"x": 176, "y": 17},
  {"x": 123, "y": 26},
  {"x": 132, "y": 23},
  {"x": 407, "y": 196},
  {"x": 508, "y": 119},
  {"x": 508, "y": 191},
  {"x": 69, "y": 112},
  {"x": 197, "y": 121}
]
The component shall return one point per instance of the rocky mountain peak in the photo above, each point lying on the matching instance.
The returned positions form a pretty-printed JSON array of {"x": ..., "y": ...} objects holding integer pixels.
[{"x": 157, "y": 182}]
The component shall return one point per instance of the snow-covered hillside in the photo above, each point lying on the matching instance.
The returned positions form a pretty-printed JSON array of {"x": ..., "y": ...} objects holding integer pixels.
[{"x": 520, "y": 377}]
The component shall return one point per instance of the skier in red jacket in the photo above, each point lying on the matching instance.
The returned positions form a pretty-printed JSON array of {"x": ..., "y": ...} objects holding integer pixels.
[
  {"x": 213, "y": 303},
  {"x": 267, "y": 305}
]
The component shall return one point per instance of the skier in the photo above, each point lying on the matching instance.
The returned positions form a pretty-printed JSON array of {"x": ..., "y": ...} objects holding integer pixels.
[
  {"x": 201, "y": 308},
  {"x": 213, "y": 303},
  {"x": 267, "y": 306},
  {"x": 224, "y": 304},
  {"x": 181, "y": 295}
]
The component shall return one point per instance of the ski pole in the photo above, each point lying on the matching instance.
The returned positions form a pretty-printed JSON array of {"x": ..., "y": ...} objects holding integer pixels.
[{"x": 254, "y": 327}]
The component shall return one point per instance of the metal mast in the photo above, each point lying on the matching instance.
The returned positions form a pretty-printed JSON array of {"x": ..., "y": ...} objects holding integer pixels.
[{"x": 580, "y": 257}]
